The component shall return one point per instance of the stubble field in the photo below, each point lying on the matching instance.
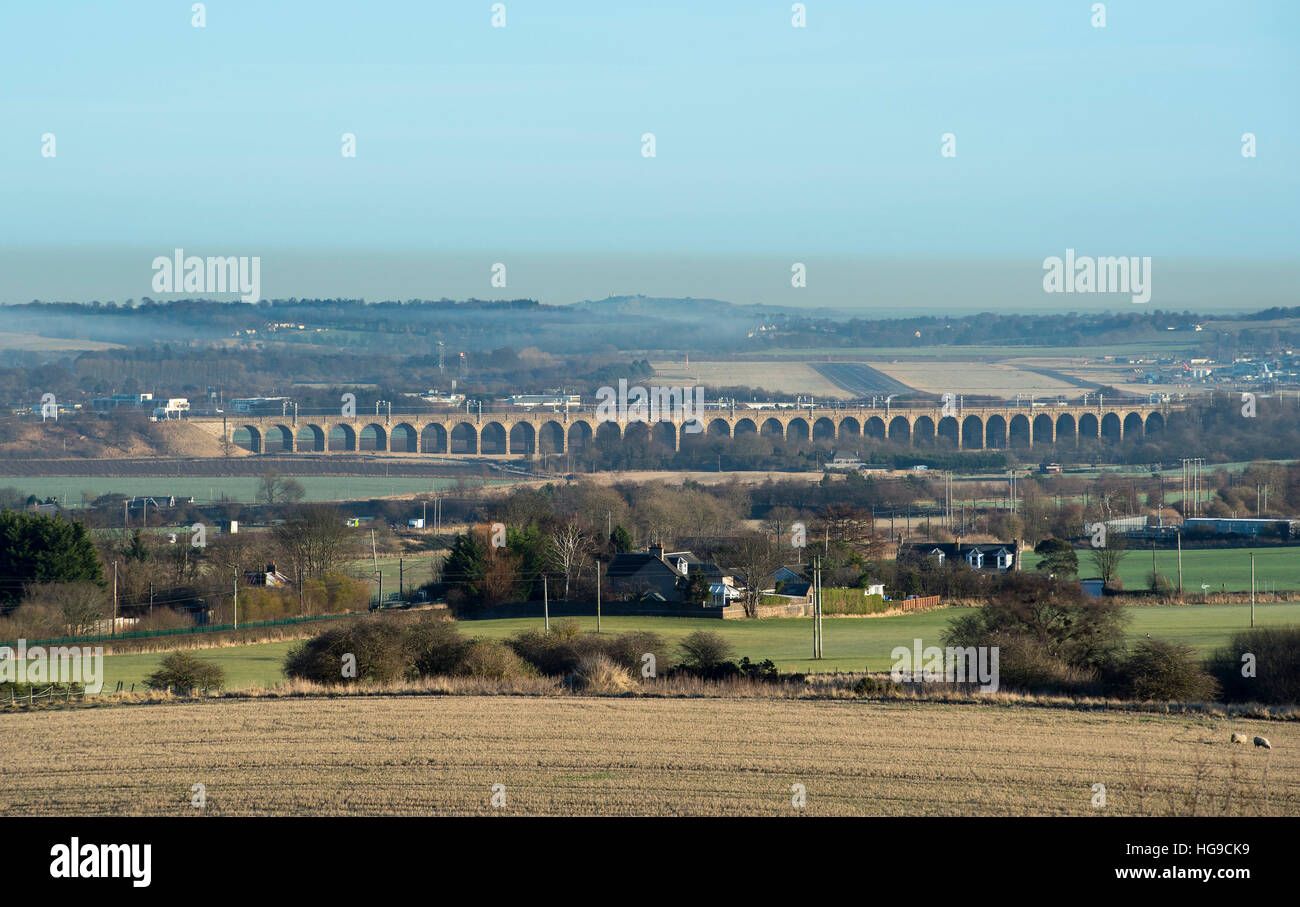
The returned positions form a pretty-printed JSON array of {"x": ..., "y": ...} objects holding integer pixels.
[{"x": 440, "y": 755}]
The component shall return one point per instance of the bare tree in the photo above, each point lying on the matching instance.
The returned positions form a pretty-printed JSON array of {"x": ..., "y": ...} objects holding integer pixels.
[
  {"x": 567, "y": 550},
  {"x": 754, "y": 555},
  {"x": 1107, "y": 558},
  {"x": 314, "y": 539}
]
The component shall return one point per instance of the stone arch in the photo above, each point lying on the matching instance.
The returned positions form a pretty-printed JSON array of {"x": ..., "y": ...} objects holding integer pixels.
[
  {"x": 343, "y": 437},
  {"x": 823, "y": 430},
  {"x": 796, "y": 430},
  {"x": 550, "y": 438},
  {"x": 1155, "y": 423},
  {"x": 1088, "y": 428},
  {"x": 923, "y": 431},
  {"x": 772, "y": 428},
  {"x": 523, "y": 438},
  {"x": 948, "y": 431},
  {"x": 608, "y": 433},
  {"x": 1133, "y": 425},
  {"x": 850, "y": 428},
  {"x": 404, "y": 438},
  {"x": 279, "y": 439},
  {"x": 310, "y": 438},
  {"x": 580, "y": 436},
  {"x": 636, "y": 437},
  {"x": 492, "y": 439},
  {"x": 373, "y": 437},
  {"x": 665, "y": 433},
  {"x": 874, "y": 428},
  {"x": 718, "y": 428},
  {"x": 1112, "y": 429},
  {"x": 995, "y": 432},
  {"x": 900, "y": 430},
  {"x": 1018, "y": 431},
  {"x": 1043, "y": 429},
  {"x": 433, "y": 438},
  {"x": 464, "y": 439},
  {"x": 744, "y": 427},
  {"x": 247, "y": 437},
  {"x": 972, "y": 433},
  {"x": 1067, "y": 430}
]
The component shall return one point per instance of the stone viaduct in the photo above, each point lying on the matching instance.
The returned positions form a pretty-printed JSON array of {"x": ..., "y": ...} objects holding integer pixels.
[{"x": 528, "y": 433}]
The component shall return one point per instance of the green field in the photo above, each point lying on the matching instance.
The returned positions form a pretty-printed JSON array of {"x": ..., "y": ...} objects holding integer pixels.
[
  {"x": 242, "y": 489},
  {"x": 1220, "y": 569},
  {"x": 851, "y": 644}
]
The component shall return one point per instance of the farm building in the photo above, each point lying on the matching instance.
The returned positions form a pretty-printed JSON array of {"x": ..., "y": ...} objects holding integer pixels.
[
  {"x": 989, "y": 557},
  {"x": 665, "y": 574}
]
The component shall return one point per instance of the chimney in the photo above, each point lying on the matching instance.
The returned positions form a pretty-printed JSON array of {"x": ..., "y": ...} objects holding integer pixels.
[
  {"x": 657, "y": 551},
  {"x": 270, "y": 568}
]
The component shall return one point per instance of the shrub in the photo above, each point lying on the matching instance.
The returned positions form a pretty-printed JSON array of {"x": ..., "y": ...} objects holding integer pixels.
[
  {"x": 601, "y": 674},
  {"x": 1160, "y": 670},
  {"x": 379, "y": 646},
  {"x": 490, "y": 659},
  {"x": 185, "y": 670},
  {"x": 1277, "y": 666},
  {"x": 704, "y": 652},
  {"x": 436, "y": 648}
]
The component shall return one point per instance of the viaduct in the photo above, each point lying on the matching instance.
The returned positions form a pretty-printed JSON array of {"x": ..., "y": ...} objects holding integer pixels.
[{"x": 529, "y": 433}]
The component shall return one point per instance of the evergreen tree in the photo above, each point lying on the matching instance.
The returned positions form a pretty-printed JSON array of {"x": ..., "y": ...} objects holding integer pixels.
[{"x": 40, "y": 549}]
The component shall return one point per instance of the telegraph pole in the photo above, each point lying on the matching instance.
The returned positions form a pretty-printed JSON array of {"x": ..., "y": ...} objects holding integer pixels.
[
  {"x": 1179, "y": 536},
  {"x": 597, "y": 595},
  {"x": 235, "y": 598},
  {"x": 1252, "y": 590},
  {"x": 546, "y": 605},
  {"x": 114, "y": 630}
]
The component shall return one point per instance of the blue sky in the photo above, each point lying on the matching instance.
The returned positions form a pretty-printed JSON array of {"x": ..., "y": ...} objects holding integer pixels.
[{"x": 774, "y": 144}]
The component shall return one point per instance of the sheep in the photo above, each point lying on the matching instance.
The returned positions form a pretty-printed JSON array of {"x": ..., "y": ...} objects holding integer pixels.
[
  {"x": 1240, "y": 738},
  {"x": 1263, "y": 741}
]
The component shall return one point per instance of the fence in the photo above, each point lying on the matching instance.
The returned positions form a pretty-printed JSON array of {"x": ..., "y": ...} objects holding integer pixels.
[
  {"x": 177, "y": 631},
  {"x": 32, "y": 696}
]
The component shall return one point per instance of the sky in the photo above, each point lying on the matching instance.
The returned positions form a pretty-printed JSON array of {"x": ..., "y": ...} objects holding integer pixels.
[{"x": 774, "y": 145}]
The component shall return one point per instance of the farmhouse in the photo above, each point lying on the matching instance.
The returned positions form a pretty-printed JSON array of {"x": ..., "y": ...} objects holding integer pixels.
[
  {"x": 988, "y": 557},
  {"x": 268, "y": 577},
  {"x": 664, "y": 576}
]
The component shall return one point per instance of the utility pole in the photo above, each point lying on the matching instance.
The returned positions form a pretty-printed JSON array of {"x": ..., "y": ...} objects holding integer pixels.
[
  {"x": 597, "y": 595},
  {"x": 1252, "y": 590},
  {"x": 114, "y": 629},
  {"x": 235, "y": 598},
  {"x": 1179, "y": 535},
  {"x": 817, "y": 607},
  {"x": 401, "y": 586},
  {"x": 546, "y": 605},
  {"x": 374, "y": 552}
]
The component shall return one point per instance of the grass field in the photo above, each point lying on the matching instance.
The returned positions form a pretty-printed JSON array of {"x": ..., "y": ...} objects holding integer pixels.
[
  {"x": 1220, "y": 569},
  {"x": 851, "y": 644},
  {"x": 440, "y": 755},
  {"x": 243, "y": 489}
]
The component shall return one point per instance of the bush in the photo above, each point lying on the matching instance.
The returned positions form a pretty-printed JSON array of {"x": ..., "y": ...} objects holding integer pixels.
[
  {"x": 1277, "y": 666},
  {"x": 490, "y": 659},
  {"x": 436, "y": 648},
  {"x": 704, "y": 652},
  {"x": 185, "y": 671},
  {"x": 380, "y": 647},
  {"x": 601, "y": 674},
  {"x": 1164, "y": 671},
  {"x": 1027, "y": 664}
]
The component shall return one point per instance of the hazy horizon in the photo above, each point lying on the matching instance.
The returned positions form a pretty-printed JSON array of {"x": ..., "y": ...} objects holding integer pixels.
[{"x": 773, "y": 145}]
